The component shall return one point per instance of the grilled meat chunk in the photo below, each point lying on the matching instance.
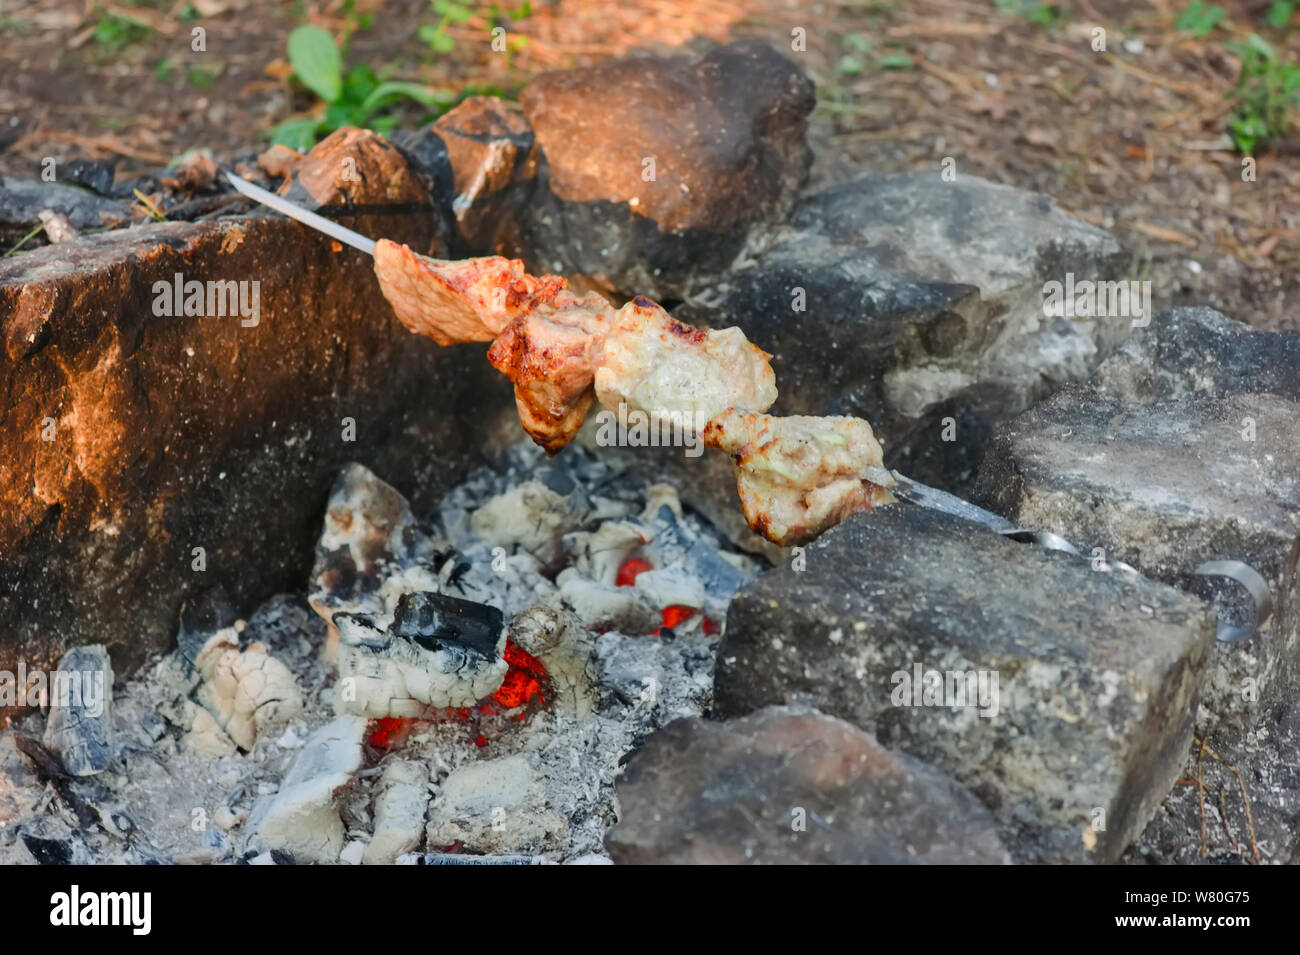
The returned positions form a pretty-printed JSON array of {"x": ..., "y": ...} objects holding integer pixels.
[
  {"x": 800, "y": 475},
  {"x": 655, "y": 364},
  {"x": 550, "y": 354},
  {"x": 470, "y": 300}
]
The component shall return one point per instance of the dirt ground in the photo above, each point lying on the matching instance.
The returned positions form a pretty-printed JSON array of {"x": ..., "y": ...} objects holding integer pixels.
[{"x": 1131, "y": 139}]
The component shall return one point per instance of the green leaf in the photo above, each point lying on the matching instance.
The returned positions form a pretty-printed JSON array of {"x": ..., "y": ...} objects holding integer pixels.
[
  {"x": 358, "y": 84},
  {"x": 455, "y": 12},
  {"x": 437, "y": 39},
  {"x": 1200, "y": 18},
  {"x": 299, "y": 134},
  {"x": 522, "y": 11},
  {"x": 858, "y": 43},
  {"x": 895, "y": 61},
  {"x": 1279, "y": 14},
  {"x": 340, "y": 114},
  {"x": 1261, "y": 46},
  {"x": 850, "y": 65},
  {"x": 385, "y": 93},
  {"x": 315, "y": 58}
]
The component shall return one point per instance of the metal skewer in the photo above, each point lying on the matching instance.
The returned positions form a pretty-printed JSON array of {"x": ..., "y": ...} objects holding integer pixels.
[
  {"x": 284, "y": 206},
  {"x": 903, "y": 487}
]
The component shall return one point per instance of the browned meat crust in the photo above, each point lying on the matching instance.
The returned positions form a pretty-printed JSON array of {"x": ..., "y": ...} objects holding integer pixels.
[{"x": 800, "y": 475}]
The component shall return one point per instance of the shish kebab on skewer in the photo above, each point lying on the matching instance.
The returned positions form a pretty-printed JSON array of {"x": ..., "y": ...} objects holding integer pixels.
[{"x": 797, "y": 476}]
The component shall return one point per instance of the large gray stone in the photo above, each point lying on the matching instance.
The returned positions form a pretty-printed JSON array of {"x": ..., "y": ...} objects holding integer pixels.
[
  {"x": 789, "y": 786},
  {"x": 923, "y": 300},
  {"x": 1186, "y": 448},
  {"x": 1097, "y": 673},
  {"x": 1193, "y": 351},
  {"x": 1165, "y": 486}
]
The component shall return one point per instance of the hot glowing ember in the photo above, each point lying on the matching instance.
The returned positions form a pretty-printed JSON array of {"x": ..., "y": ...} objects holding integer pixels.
[
  {"x": 632, "y": 567},
  {"x": 388, "y": 732},
  {"x": 676, "y": 614},
  {"x": 525, "y": 680}
]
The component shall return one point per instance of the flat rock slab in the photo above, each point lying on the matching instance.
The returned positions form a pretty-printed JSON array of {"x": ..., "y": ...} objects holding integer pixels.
[
  {"x": 1186, "y": 448},
  {"x": 1070, "y": 706},
  {"x": 1164, "y": 486},
  {"x": 789, "y": 786}
]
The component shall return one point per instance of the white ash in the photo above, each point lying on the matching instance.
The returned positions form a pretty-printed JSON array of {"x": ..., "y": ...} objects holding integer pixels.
[{"x": 242, "y": 746}]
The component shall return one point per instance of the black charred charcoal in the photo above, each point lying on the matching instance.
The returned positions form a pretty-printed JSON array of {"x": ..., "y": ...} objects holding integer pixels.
[
  {"x": 48, "y": 851},
  {"x": 558, "y": 479},
  {"x": 79, "y": 728},
  {"x": 436, "y": 620},
  {"x": 374, "y": 639},
  {"x": 96, "y": 176},
  {"x": 282, "y": 621}
]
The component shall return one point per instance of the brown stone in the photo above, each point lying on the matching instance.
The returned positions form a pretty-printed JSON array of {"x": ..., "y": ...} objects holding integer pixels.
[
  {"x": 493, "y": 157},
  {"x": 789, "y": 786},
  {"x": 721, "y": 131},
  {"x": 723, "y": 135},
  {"x": 354, "y": 167}
]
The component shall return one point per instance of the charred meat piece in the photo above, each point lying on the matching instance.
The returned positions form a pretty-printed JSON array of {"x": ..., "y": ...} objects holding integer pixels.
[
  {"x": 470, "y": 300},
  {"x": 550, "y": 354},
  {"x": 800, "y": 475},
  {"x": 667, "y": 369}
]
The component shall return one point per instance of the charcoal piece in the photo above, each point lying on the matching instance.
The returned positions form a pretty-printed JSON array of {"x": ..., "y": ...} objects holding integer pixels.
[
  {"x": 140, "y": 853},
  {"x": 80, "y": 725},
  {"x": 153, "y": 725},
  {"x": 48, "y": 851},
  {"x": 282, "y": 621},
  {"x": 558, "y": 479},
  {"x": 436, "y": 621},
  {"x": 722, "y": 579},
  {"x": 96, "y": 176},
  {"x": 49, "y": 769},
  {"x": 21, "y": 202}
]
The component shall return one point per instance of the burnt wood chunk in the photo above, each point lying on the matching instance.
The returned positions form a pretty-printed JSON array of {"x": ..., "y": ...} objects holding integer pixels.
[{"x": 436, "y": 621}]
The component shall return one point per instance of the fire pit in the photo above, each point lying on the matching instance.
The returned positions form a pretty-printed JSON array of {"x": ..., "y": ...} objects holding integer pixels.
[
  {"x": 837, "y": 539},
  {"x": 322, "y": 727}
]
